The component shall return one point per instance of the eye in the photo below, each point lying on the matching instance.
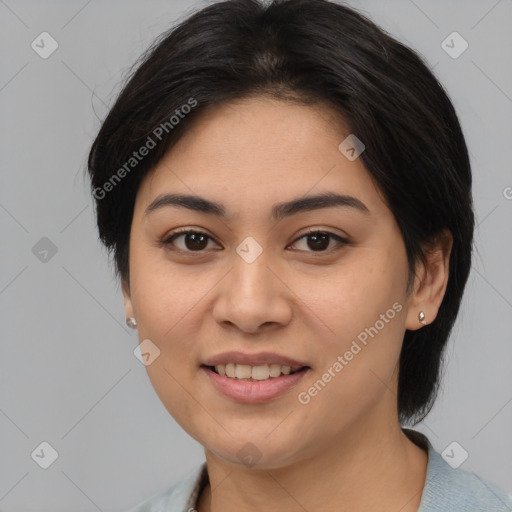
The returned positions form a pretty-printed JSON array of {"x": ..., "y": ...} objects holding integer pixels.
[
  {"x": 193, "y": 241},
  {"x": 197, "y": 241},
  {"x": 319, "y": 241}
]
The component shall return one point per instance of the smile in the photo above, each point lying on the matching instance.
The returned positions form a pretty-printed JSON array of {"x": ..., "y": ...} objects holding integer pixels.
[
  {"x": 260, "y": 387},
  {"x": 247, "y": 372}
]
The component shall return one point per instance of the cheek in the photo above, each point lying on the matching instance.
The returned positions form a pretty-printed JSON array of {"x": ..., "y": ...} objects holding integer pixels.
[
  {"x": 352, "y": 298},
  {"x": 164, "y": 295},
  {"x": 363, "y": 306},
  {"x": 164, "y": 303}
]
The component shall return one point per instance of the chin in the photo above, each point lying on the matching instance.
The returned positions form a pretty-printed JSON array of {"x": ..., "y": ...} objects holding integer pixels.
[{"x": 256, "y": 452}]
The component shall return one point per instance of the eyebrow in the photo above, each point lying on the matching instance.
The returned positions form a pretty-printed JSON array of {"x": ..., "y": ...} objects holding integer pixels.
[{"x": 279, "y": 210}]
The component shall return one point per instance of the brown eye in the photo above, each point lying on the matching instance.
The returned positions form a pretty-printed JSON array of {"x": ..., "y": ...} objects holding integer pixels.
[
  {"x": 193, "y": 241},
  {"x": 318, "y": 241}
]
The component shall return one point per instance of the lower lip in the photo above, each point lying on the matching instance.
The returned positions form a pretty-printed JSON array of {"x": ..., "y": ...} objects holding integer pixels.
[{"x": 254, "y": 392}]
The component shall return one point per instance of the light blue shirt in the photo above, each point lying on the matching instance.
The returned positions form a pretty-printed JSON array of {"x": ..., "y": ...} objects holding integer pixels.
[{"x": 446, "y": 489}]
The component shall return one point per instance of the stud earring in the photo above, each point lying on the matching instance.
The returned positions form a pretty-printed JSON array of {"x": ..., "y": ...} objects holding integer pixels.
[
  {"x": 131, "y": 322},
  {"x": 421, "y": 318}
]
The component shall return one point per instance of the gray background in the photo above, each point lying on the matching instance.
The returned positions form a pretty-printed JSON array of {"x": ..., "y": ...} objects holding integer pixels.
[{"x": 68, "y": 373}]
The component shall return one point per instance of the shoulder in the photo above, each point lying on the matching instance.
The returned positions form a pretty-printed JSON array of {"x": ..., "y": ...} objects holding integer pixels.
[
  {"x": 447, "y": 488},
  {"x": 180, "y": 497}
]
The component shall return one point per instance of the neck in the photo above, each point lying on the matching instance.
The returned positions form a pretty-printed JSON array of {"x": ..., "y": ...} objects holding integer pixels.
[{"x": 375, "y": 468}]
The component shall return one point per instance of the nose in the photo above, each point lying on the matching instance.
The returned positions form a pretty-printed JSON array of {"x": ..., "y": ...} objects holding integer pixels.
[{"x": 253, "y": 296}]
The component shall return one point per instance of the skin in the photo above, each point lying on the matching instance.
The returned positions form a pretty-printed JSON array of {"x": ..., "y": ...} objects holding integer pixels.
[{"x": 344, "y": 450}]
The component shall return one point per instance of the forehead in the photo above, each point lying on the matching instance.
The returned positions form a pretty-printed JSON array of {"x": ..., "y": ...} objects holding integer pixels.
[{"x": 260, "y": 150}]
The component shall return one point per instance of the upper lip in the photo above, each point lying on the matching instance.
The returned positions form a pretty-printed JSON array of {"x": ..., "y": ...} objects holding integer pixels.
[{"x": 257, "y": 359}]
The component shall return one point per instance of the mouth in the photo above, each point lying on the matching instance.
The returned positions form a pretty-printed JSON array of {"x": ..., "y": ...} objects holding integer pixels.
[
  {"x": 258, "y": 373},
  {"x": 253, "y": 379}
]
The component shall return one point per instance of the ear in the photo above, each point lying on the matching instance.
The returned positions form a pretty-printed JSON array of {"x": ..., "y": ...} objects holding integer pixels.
[
  {"x": 430, "y": 282},
  {"x": 128, "y": 306}
]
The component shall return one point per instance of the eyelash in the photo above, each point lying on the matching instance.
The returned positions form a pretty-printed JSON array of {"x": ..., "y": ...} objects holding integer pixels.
[{"x": 169, "y": 239}]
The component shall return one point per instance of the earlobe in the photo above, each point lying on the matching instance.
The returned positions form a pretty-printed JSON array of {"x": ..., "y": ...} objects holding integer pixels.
[
  {"x": 128, "y": 306},
  {"x": 430, "y": 283}
]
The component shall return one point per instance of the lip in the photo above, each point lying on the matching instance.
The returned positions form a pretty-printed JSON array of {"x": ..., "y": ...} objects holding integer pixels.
[
  {"x": 253, "y": 392},
  {"x": 257, "y": 359}
]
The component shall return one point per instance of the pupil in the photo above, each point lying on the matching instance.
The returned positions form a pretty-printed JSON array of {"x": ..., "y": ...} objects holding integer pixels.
[
  {"x": 196, "y": 243},
  {"x": 319, "y": 241}
]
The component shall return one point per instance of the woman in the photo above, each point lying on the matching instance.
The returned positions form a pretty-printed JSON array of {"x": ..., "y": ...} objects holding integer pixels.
[{"x": 286, "y": 191}]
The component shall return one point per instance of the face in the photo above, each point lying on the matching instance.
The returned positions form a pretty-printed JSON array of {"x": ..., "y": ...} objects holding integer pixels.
[{"x": 321, "y": 290}]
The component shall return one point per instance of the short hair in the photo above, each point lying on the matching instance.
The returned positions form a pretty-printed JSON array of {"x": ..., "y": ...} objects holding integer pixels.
[{"x": 309, "y": 52}]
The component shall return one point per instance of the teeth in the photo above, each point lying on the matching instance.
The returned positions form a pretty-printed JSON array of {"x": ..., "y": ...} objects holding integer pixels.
[
  {"x": 275, "y": 370},
  {"x": 286, "y": 370},
  {"x": 244, "y": 371},
  {"x": 230, "y": 370},
  {"x": 260, "y": 372}
]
